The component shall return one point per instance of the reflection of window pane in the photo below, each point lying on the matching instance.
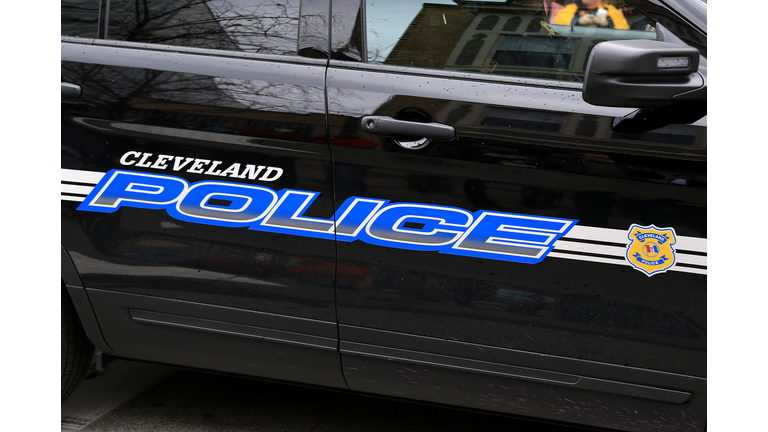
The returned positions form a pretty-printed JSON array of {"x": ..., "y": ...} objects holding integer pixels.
[
  {"x": 512, "y": 24},
  {"x": 467, "y": 56},
  {"x": 269, "y": 27},
  {"x": 535, "y": 51},
  {"x": 537, "y": 44},
  {"x": 510, "y": 37},
  {"x": 488, "y": 23},
  {"x": 79, "y": 18}
]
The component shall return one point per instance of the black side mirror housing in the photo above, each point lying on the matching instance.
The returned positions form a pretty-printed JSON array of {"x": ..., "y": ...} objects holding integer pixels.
[{"x": 642, "y": 74}]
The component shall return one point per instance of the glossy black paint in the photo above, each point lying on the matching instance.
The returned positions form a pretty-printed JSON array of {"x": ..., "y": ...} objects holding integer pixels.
[
  {"x": 346, "y": 33},
  {"x": 573, "y": 338},
  {"x": 313, "y": 29},
  {"x": 527, "y": 147},
  {"x": 685, "y": 20},
  {"x": 513, "y": 155},
  {"x": 470, "y": 389},
  {"x": 215, "y": 106},
  {"x": 74, "y": 286},
  {"x": 692, "y": 11},
  {"x": 80, "y": 18},
  {"x": 219, "y": 338}
]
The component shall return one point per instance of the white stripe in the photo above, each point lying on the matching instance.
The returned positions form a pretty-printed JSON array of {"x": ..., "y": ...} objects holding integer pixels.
[
  {"x": 76, "y": 189},
  {"x": 691, "y": 259},
  {"x": 694, "y": 244},
  {"x": 620, "y": 252},
  {"x": 580, "y": 232},
  {"x": 78, "y": 176},
  {"x": 590, "y": 248},
  {"x": 619, "y": 262}
]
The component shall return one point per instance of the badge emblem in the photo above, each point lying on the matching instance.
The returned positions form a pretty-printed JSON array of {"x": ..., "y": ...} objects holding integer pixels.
[{"x": 650, "y": 249}]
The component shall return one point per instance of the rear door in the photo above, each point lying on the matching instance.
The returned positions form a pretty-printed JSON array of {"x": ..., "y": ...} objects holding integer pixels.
[
  {"x": 196, "y": 182},
  {"x": 522, "y": 254}
]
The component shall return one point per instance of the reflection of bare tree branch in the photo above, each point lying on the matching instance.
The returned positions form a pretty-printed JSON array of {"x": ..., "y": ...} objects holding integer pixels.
[
  {"x": 265, "y": 27},
  {"x": 79, "y": 18},
  {"x": 195, "y": 101},
  {"x": 259, "y": 95}
]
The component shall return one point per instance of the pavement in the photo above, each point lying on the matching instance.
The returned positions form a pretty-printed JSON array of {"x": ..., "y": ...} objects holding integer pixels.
[
  {"x": 98, "y": 396},
  {"x": 134, "y": 396}
]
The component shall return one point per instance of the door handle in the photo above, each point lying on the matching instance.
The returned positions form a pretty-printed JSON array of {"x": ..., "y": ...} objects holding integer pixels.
[
  {"x": 383, "y": 125},
  {"x": 69, "y": 90}
]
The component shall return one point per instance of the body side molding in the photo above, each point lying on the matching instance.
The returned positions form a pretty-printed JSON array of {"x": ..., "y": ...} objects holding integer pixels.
[{"x": 524, "y": 373}]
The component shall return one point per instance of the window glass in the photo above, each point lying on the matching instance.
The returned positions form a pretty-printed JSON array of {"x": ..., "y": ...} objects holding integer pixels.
[
  {"x": 80, "y": 18},
  {"x": 260, "y": 26},
  {"x": 530, "y": 38}
]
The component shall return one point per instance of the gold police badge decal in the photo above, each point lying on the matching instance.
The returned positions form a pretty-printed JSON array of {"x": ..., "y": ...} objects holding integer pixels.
[{"x": 650, "y": 249}]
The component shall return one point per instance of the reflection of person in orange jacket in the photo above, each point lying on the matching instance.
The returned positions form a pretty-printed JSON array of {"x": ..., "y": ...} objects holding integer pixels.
[{"x": 592, "y": 13}]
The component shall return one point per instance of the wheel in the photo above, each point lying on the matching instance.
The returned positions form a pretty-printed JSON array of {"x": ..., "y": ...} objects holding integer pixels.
[{"x": 76, "y": 349}]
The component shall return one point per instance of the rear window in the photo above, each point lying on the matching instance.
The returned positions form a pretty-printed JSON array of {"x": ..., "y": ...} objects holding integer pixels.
[
  {"x": 80, "y": 18},
  {"x": 267, "y": 27}
]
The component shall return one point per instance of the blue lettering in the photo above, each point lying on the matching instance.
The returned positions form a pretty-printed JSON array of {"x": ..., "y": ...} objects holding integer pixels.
[
  {"x": 224, "y": 204},
  {"x": 510, "y": 237},
  {"x": 416, "y": 226},
  {"x": 354, "y": 214},
  {"x": 133, "y": 189},
  {"x": 412, "y": 226},
  {"x": 288, "y": 217}
]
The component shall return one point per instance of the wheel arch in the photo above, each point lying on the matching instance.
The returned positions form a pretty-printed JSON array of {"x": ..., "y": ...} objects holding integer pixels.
[{"x": 70, "y": 278}]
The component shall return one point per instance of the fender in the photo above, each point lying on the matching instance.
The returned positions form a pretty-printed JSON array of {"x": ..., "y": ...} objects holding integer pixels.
[{"x": 71, "y": 279}]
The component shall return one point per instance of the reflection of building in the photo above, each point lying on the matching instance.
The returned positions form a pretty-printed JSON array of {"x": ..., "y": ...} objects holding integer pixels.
[
  {"x": 429, "y": 33},
  {"x": 511, "y": 38}
]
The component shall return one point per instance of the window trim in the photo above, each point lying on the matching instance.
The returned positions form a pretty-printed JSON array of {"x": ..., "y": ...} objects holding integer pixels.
[{"x": 463, "y": 76}]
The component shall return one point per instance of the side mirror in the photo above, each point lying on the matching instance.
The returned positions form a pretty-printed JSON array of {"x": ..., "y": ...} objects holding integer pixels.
[{"x": 642, "y": 74}]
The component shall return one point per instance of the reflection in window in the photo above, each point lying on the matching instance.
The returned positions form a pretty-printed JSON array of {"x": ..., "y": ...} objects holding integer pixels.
[
  {"x": 512, "y": 24},
  {"x": 80, "y": 18},
  {"x": 472, "y": 46},
  {"x": 467, "y": 36},
  {"x": 488, "y": 23},
  {"x": 268, "y": 27},
  {"x": 516, "y": 50}
]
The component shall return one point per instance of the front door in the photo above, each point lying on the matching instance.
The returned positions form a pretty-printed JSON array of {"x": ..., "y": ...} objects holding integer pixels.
[{"x": 519, "y": 250}]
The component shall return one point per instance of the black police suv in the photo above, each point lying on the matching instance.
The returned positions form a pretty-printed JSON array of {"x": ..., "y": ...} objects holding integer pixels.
[{"x": 495, "y": 205}]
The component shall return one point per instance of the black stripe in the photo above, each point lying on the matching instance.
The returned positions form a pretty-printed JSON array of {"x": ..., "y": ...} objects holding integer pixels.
[
  {"x": 74, "y": 183},
  {"x": 693, "y": 266},
  {"x": 590, "y": 254},
  {"x": 691, "y": 252},
  {"x": 624, "y": 245},
  {"x": 589, "y": 241},
  {"x": 622, "y": 258}
]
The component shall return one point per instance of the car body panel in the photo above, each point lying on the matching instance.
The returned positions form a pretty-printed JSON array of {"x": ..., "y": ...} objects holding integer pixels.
[
  {"x": 238, "y": 126},
  {"x": 227, "y": 208}
]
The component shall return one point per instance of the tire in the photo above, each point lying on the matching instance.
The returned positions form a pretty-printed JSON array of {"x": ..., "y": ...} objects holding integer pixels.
[{"x": 76, "y": 349}]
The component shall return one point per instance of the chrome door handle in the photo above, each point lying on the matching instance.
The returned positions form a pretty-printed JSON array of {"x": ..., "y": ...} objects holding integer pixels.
[
  {"x": 383, "y": 125},
  {"x": 69, "y": 90}
]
